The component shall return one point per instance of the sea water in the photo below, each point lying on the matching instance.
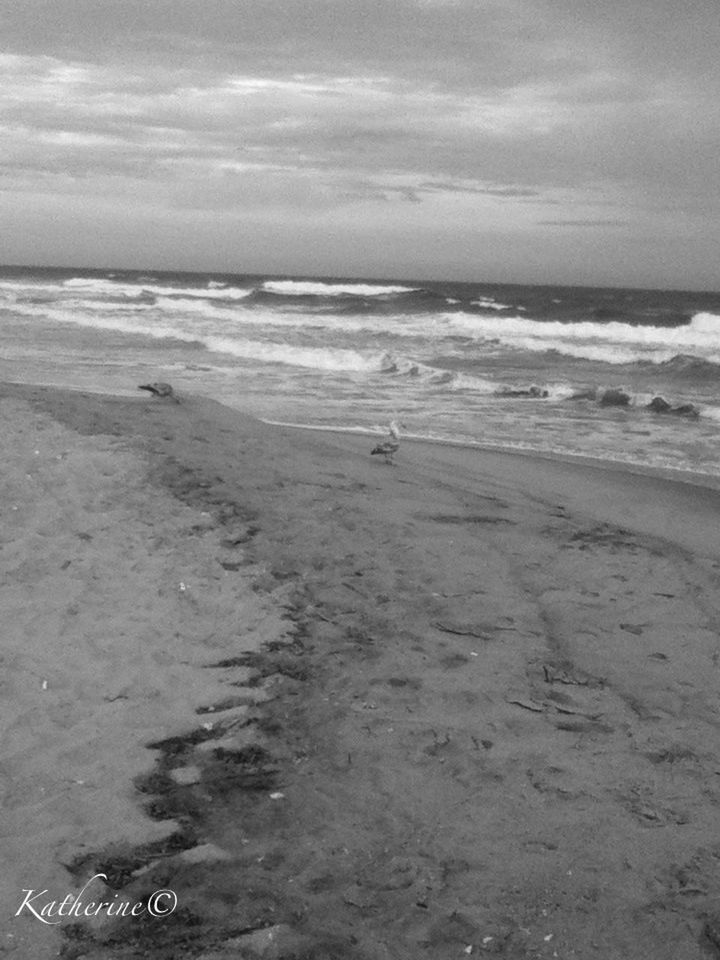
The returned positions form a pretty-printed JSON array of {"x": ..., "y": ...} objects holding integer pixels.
[{"x": 524, "y": 367}]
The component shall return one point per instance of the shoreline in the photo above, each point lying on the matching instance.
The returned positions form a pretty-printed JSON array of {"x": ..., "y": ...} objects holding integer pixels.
[
  {"x": 673, "y": 474},
  {"x": 491, "y": 722}
]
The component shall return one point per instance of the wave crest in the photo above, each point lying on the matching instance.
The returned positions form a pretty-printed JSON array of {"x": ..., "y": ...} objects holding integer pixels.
[
  {"x": 613, "y": 342},
  {"x": 303, "y": 288},
  {"x": 104, "y": 287}
]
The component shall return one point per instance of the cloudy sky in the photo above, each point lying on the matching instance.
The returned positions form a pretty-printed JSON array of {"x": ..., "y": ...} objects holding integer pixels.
[{"x": 573, "y": 141}]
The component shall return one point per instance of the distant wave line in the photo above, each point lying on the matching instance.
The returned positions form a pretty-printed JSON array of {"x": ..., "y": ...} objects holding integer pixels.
[{"x": 321, "y": 289}]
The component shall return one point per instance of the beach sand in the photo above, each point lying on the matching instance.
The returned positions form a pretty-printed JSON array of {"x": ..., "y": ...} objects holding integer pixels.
[{"x": 463, "y": 705}]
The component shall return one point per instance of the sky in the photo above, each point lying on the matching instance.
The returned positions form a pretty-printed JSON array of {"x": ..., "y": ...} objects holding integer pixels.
[{"x": 528, "y": 141}]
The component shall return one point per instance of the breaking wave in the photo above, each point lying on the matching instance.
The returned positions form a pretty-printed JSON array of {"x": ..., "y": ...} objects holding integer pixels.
[
  {"x": 316, "y": 358},
  {"x": 487, "y": 303},
  {"x": 695, "y": 368},
  {"x": 114, "y": 288},
  {"x": 302, "y": 288},
  {"x": 613, "y": 342}
]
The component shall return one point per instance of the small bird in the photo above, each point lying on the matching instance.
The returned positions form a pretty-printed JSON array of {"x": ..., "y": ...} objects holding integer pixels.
[
  {"x": 159, "y": 390},
  {"x": 388, "y": 448}
]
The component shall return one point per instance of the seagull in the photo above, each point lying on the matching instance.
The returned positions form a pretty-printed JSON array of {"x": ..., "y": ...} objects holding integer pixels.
[
  {"x": 159, "y": 390},
  {"x": 387, "y": 448}
]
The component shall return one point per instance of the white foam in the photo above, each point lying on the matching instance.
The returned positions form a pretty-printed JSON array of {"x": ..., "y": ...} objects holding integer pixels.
[
  {"x": 489, "y": 304},
  {"x": 215, "y": 293},
  {"x": 15, "y": 288},
  {"x": 95, "y": 284},
  {"x": 316, "y": 289},
  {"x": 99, "y": 307},
  {"x": 259, "y": 317},
  {"x": 413, "y": 368},
  {"x": 115, "y": 321},
  {"x": 318, "y": 358},
  {"x": 559, "y": 391},
  {"x": 618, "y": 355},
  {"x": 465, "y": 381},
  {"x": 195, "y": 305},
  {"x": 612, "y": 342},
  {"x": 711, "y": 412},
  {"x": 401, "y": 325},
  {"x": 106, "y": 287},
  {"x": 16, "y": 285}
]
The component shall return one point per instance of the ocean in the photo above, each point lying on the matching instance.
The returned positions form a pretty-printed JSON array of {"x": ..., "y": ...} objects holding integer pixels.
[{"x": 522, "y": 367}]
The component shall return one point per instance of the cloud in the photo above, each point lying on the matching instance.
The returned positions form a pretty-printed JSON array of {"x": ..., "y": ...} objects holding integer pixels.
[
  {"x": 65, "y": 115},
  {"x": 209, "y": 139},
  {"x": 508, "y": 192},
  {"x": 429, "y": 108}
]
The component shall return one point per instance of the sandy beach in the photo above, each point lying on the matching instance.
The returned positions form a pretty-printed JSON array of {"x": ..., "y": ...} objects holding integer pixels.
[{"x": 463, "y": 705}]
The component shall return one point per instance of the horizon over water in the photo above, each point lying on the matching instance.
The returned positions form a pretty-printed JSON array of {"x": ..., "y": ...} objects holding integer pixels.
[
  {"x": 106, "y": 271},
  {"x": 512, "y": 365}
]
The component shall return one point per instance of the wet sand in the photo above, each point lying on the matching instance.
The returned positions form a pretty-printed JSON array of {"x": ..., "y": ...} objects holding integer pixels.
[{"x": 463, "y": 705}]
